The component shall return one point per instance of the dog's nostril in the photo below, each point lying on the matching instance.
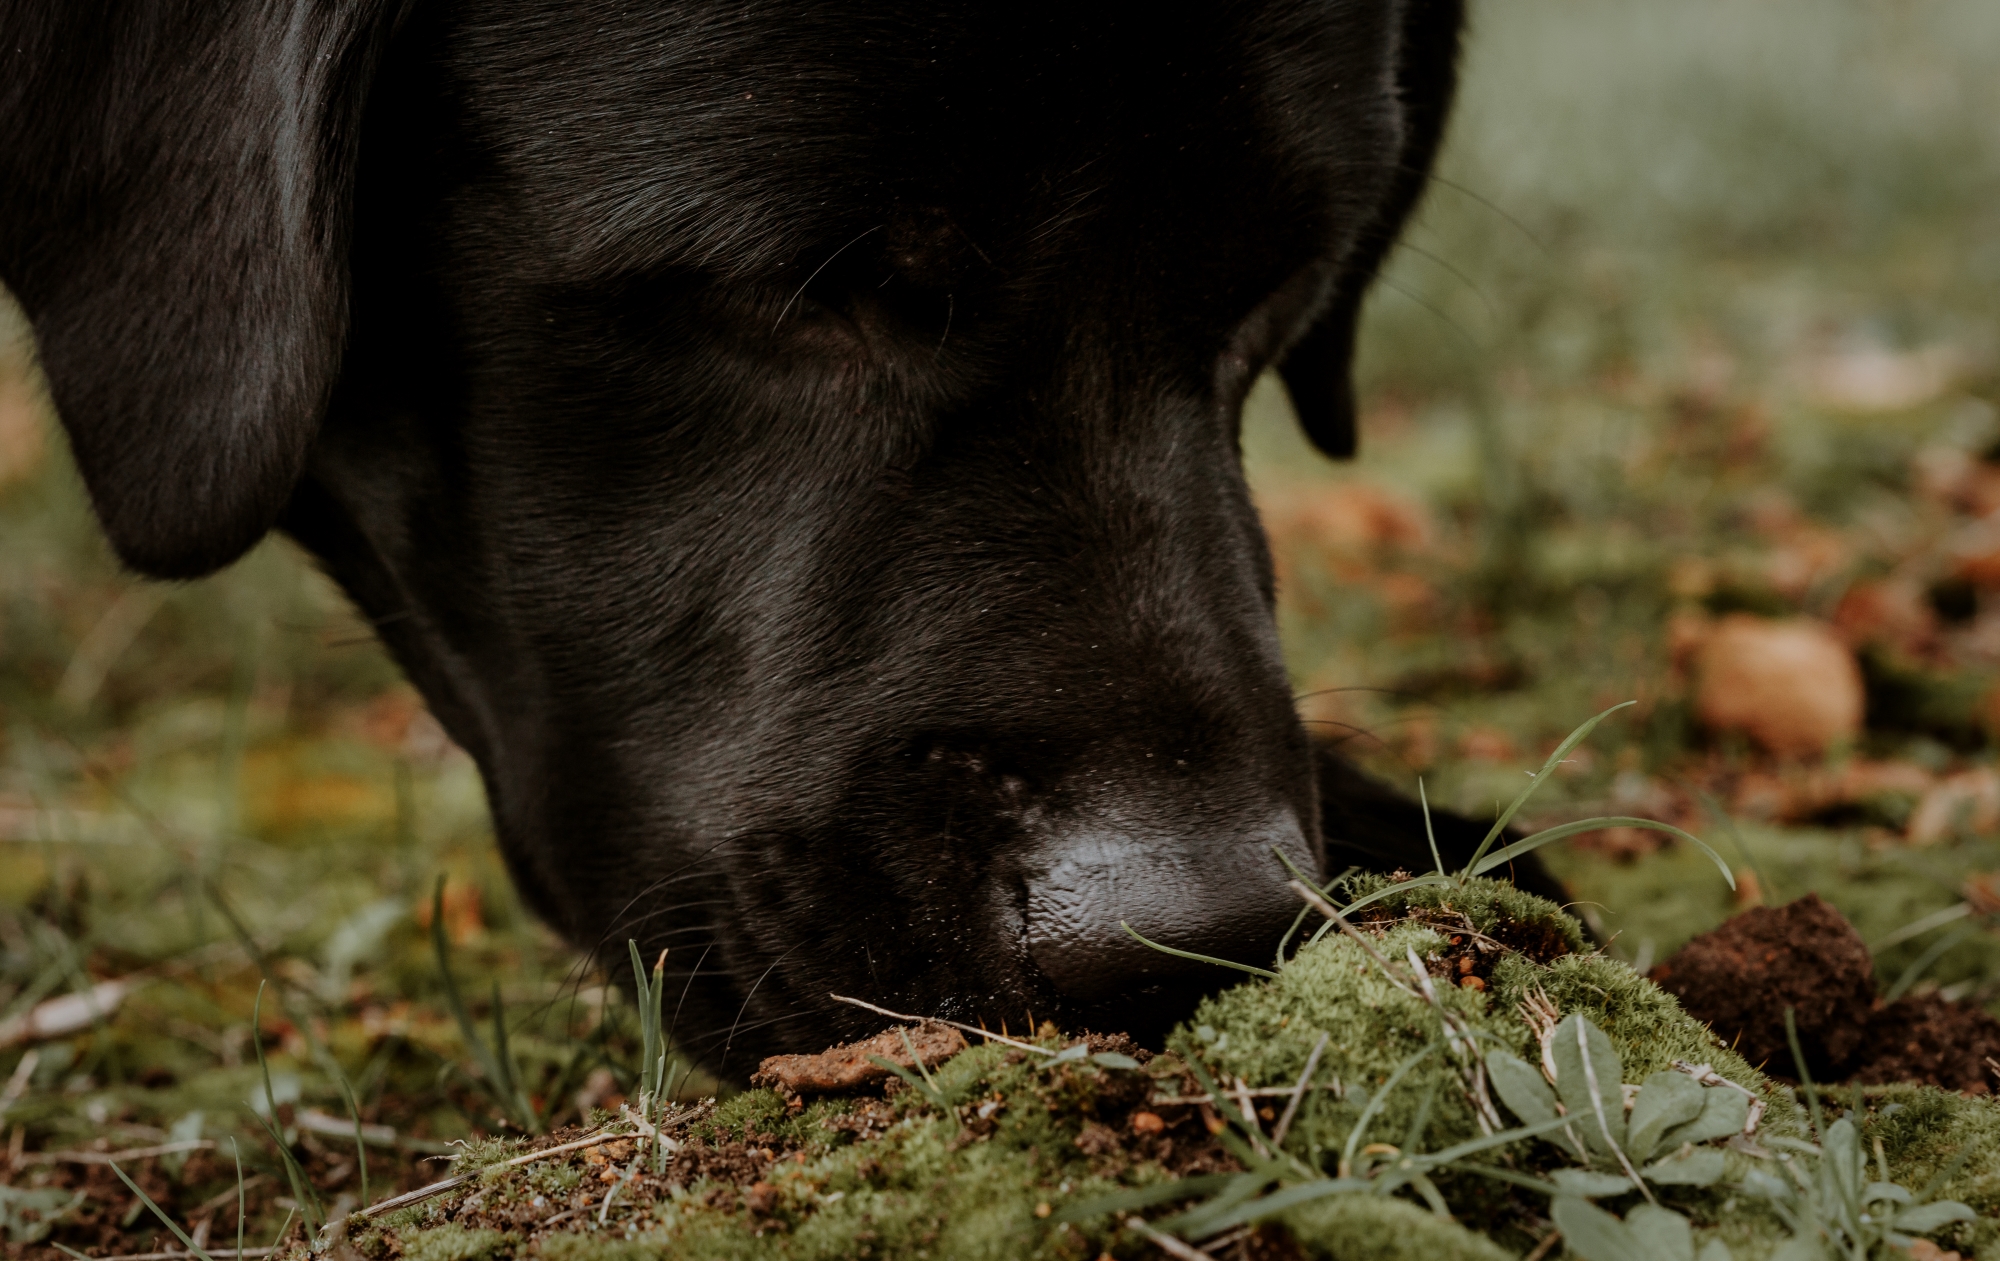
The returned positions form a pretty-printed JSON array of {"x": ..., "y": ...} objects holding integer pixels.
[{"x": 1227, "y": 902}]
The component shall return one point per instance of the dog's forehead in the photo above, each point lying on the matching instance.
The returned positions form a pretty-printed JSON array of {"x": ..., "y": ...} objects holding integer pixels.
[{"x": 740, "y": 139}]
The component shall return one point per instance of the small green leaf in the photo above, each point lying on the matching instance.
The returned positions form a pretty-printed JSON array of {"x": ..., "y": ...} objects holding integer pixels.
[
  {"x": 1113, "y": 1059},
  {"x": 1663, "y": 1233},
  {"x": 1799, "y": 1248},
  {"x": 1876, "y": 1192},
  {"x": 1694, "y": 1167},
  {"x": 1599, "y": 1114},
  {"x": 1925, "y": 1218},
  {"x": 1593, "y": 1234},
  {"x": 1723, "y": 1112},
  {"x": 1843, "y": 1159},
  {"x": 1521, "y": 1087},
  {"x": 1588, "y": 1184},
  {"x": 1666, "y": 1099}
]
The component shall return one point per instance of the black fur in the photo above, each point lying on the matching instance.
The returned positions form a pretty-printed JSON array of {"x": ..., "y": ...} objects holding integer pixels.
[{"x": 792, "y": 447}]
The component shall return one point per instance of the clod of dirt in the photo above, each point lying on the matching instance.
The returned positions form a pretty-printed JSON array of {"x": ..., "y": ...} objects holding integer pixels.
[
  {"x": 848, "y": 1067},
  {"x": 1740, "y": 978},
  {"x": 1925, "y": 1038}
]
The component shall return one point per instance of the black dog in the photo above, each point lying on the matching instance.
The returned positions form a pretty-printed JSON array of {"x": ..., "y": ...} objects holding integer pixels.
[{"x": 792, "y": 447}]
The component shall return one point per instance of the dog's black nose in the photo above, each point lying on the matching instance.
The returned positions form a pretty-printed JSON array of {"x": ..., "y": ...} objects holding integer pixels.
[{"x": 1227, "y": 901}]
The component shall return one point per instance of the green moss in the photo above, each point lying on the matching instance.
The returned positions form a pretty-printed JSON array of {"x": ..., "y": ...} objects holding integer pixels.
[
  {"x": 930, "y": 1187},
  {"x": 1924, "y": 1130},
  {"x": 1377, "y": 1228},
  {"x": 453, "y": 1243},
  {"x": 1490, "y": 904}
]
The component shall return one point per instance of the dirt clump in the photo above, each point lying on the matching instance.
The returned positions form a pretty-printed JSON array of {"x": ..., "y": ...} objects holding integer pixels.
[
  {"x": 1927, "y": 1038},
  {"x": 1805, "y": 956},
  {"x": 851, "y": 1066},
  {"x": 1740, "y": 979}
]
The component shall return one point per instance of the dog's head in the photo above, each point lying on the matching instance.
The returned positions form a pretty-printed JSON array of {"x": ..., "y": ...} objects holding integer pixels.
[{"x": 794, "y": 450}]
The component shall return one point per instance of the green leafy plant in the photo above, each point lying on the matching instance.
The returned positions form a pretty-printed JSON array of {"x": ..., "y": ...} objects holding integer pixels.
[
  {"x": 1663, "y": 1140},
  {"x": 1831, "y": 1207},
  {"x": 654, "y": 1072}
]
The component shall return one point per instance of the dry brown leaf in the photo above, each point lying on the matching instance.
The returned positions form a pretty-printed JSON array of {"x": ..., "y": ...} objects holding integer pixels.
[
  {"x": 1791, "y": 685},
  {"x": 849, "y": 1066}
]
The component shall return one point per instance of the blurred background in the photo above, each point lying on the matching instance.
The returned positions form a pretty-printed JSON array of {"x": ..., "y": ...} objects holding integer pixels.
[{"x": 1681, "y": 390}]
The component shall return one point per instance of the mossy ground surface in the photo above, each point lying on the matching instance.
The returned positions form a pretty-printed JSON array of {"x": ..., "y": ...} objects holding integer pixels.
[
  {"x": 1605, "y": 394},
  {"x": 1021, "y": 1137}
]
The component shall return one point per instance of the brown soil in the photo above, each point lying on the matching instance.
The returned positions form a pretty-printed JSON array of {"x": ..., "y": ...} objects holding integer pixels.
[
  {"x": 1924, "y": 1038},
  {"x": 1740, "y": 979},
  {"x": 1472, "y": 954}
]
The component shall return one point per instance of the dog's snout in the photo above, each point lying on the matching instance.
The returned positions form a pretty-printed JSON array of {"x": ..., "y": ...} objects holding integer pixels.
[{"x": 1227, "y": 900}]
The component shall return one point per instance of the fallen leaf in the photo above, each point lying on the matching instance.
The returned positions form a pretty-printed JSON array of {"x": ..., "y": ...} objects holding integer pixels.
[{"x": 1791, "y": 685}]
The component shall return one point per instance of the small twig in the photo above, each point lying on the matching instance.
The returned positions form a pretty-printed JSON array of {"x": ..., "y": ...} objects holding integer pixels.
[
  {"x": 17, "y": 1085},
  {"x": 1549, "y": 1241},
  {"x": 940, "y": 1020},
  {"x": 1284, "y": 1125},
  {"x": 604, "y": 1213},
  {"x": 217, "y": 1253},
  {"x": 105, "y": 1158},
  {"x": 565, "y": 1215},
  {"x": 1166, "y": 1243},
  {"x": 421, "y": 1194},
  {"x": 214, "y": 1202},
  {"x": 1325, "y": 908},
  {"x": 1255, "y": 1132},
  {"x": 1216, "y": 1245}
]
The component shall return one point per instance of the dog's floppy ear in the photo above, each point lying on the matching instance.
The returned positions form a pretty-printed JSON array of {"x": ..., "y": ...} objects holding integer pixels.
[
  {"x": 175, "y": 191},
  {"x": 1318, "y": 369}
]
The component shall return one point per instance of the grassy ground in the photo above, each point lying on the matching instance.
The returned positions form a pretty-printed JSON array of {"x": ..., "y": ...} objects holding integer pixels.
[{"x": 1701, "y": 323}]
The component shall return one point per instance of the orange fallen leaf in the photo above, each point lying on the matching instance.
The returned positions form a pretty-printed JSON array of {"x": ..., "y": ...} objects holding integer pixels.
[{"x": 1791, "y": 685}]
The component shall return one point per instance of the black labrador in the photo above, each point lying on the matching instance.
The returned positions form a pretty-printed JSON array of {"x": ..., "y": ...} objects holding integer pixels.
[{"x": 793, "y": 447}]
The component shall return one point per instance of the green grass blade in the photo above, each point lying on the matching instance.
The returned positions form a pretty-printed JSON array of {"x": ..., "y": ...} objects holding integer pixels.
[
  {"x": 518, "y": 1102},
  {"x": 924, "y": 1089},
  {"x": 495, "y": 1079},
  {"x": 1472, "y": 1147},
  {"x": 1144, "y": 1197},
  {"x": 1415, "y": 882},
  {"x": 161, "y": 1213},
  {"x": 1570, "y": 741},
  {"x": 1528, "y": 845},
  {"x": 1805, "y": 1077},
  {"x": 1925, "y": 961},
  {"x": 304, "y": 1194},
  {"x": 1376, "y": 1100},
  {"x": 1430, "y": 833},
  {"x": 1728, "y": 825},
  {"x": 1507, "y": 1175},
  {"x": 241, "y": 1210},
  {"x": 354, "y": 1112},
  {"x": 1278, "y": 1201},
  {"x": 1199, "y": 958}
]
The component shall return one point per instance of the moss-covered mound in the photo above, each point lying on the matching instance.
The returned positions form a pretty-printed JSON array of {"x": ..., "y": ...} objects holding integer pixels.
[{"x": 1088, "y": 1148}]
